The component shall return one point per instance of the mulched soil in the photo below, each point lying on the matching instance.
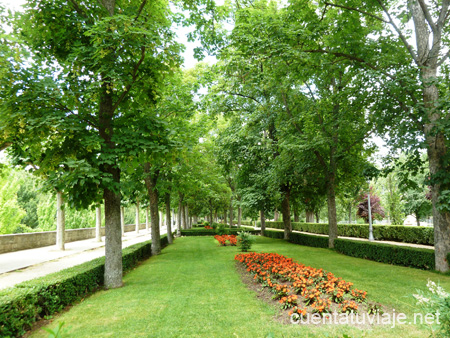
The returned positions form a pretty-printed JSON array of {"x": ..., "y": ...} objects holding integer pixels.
[{"x": 282, "y": 315}]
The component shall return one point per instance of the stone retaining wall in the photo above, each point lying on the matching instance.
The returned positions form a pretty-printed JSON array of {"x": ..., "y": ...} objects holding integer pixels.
[{"x": 16, "y": 242}]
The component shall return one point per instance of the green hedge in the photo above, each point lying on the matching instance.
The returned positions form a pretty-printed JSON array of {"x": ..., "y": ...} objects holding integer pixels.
[
  {"x": 395, "y": 233},
  {"x": 309, "y": 240},
  {"x": 27, "y": 302},
  {"x": 385, "y": 253},
  {"x": 212, "y": 232},
  {"x": 302, "y": 239}
]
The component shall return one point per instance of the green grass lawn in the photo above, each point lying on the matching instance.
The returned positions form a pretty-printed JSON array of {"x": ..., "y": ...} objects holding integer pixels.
[{"x": 193, "y": 290}]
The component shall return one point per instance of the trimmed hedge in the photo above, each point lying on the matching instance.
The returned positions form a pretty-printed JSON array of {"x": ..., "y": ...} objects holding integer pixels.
[
  {"x": 309, "y": 240},
  {"x": 27, "y": 302},
  {"x": 301, "y": 239},
  {"x": 212, "y": 232},
  {"x": 385, "y": 253},
  {"x": 395, "y": 233}
]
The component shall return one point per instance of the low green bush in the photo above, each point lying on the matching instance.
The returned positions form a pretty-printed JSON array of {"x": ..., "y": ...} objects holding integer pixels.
[
  {"x": 301, "y": 239},
  {"x": 245, "y": 240},
  {"x": 27, "y": 302},
  {"x": 395, "y": 233},
  {"x": 385, "y": 253},
  {"x": 211, "y": 232},
  {"x": 309, "y": 240}
]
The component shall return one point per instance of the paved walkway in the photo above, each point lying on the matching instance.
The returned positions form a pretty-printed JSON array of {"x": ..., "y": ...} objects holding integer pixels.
[{"x": 23, "y": 265}]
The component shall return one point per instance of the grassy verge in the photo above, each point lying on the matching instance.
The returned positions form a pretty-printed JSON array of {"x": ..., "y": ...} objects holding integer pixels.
[{"x": 193, "y": 290}]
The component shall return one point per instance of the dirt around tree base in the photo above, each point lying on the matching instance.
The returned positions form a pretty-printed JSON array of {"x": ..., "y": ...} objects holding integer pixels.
[{"x": 361, "y": 320}]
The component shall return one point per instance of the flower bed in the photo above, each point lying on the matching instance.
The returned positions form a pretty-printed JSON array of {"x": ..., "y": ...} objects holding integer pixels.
[
  {"x": 224, "y": 238},
  {"x": 302, "y": 289},
  {"x": 208, "y": 227}
]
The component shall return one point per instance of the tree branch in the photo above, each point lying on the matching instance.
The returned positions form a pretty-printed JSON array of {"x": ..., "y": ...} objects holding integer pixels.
[
  {"x": 288, "y": 111},
  {"x": 134, "y": 76},
  {"x": 427, "y": 15},
  {"x": 80, "y": 10},
  {"x": 141, "y": 7},
  {"x": 242, "y": 95},
  {"x": 400, "y": 34},
  {"x": 357, "y": 10},
  {"x": 444, "y": 58}
]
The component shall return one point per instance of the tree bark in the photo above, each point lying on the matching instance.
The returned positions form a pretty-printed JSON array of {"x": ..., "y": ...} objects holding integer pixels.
[
  {"x": 147, "y": 218},
  {"x": 349, "y": 214},
  {"x": 231, "y": 211},
  {"x": 225, "y": 217},
  {"x": 332, "y": 219},
  {"x": 60, "y": 221},
  {"x": 263, "y": 222},
  {"x": 98, "y": 224},
  {"x": 275, "y": 215},
  {"x": 111, "y": 197},
  {"x": 427, "y": 61},
  {"x": 296, "y": 215},
  {"x": 309, "y": 216},
  {"x": 168, "y": 218},
  {"x": 239, "y": 216},
  {"x": 150, "y": 182},
  {"x": 286, "y": 210},
  {"x": 137, "y": 220},
  {"x": 122, "y": 220},
  {"x": 183, "y": 217},
  {"x": 179, "y": 215},
  {"x": 186, "y": 214},
  {"x": 317, "y": 213}
]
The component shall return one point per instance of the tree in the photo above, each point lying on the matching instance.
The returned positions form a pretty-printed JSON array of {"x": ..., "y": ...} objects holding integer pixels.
[
  {"x": 416, "y": 90},
  {"x": 313, "y": 102},
  {"x": 376, "y": 209}
]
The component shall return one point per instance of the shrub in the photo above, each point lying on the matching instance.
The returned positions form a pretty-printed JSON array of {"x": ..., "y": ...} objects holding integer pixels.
[
  {"x": 395, "y": 233},
  {"x": 302, "y": 239},
  {"x": 309, "y": 240},
  {"x": 385, "y": 253},
  {"x": 436, "y": 300},
  {"x": 245, "y": 240},
  {"x": 221, "y": 230},
  {"x": 205, "y": 232},
  {"x": 23, "y": 304}
]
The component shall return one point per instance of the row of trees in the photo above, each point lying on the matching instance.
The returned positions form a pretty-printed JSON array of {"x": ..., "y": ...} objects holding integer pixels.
[
  {"x": 93, "y": 100},
  {"x": 305, "y": 85}
]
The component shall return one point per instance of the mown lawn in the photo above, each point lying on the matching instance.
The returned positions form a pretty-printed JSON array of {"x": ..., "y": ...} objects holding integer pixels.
[{"x": 193, "y": 290}]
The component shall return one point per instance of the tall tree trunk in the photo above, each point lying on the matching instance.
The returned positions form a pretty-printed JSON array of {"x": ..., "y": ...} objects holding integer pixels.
[
  {"x": 239, "y": 216},
  {"x": 150, "y": 182},
  {"x": 263, "y": 222},
  {"x": 137, "y": 220},
  {"x": 147, "y": 218},
  {"x": 111, "y": 196},
  {"x": 186, "y": 214},
  {"x": 427, "y": 60},
  {"x": 332, "y": 219},
  {"x": 183, "y": 217},
  {"x": 286, "y": 210},
  {"x": 231, "y": 211},
  {"x": 122, "y": 220},
  {"x": 309, "y": 216},
  {"x": 168, "y": 218},
  {"x": 60, "y": 221},
  {"x": 296, "y": 215},
  {"x": 98, "y": 224},
  {"x": 418, "y": 220},
  {"x": 179, "y": 215},
  {"x": 225, "y": 217},
  {"x": 349, "y": 214},
  {"x": 275, "y": 215},
  {"x": 317, "y": 213}
]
